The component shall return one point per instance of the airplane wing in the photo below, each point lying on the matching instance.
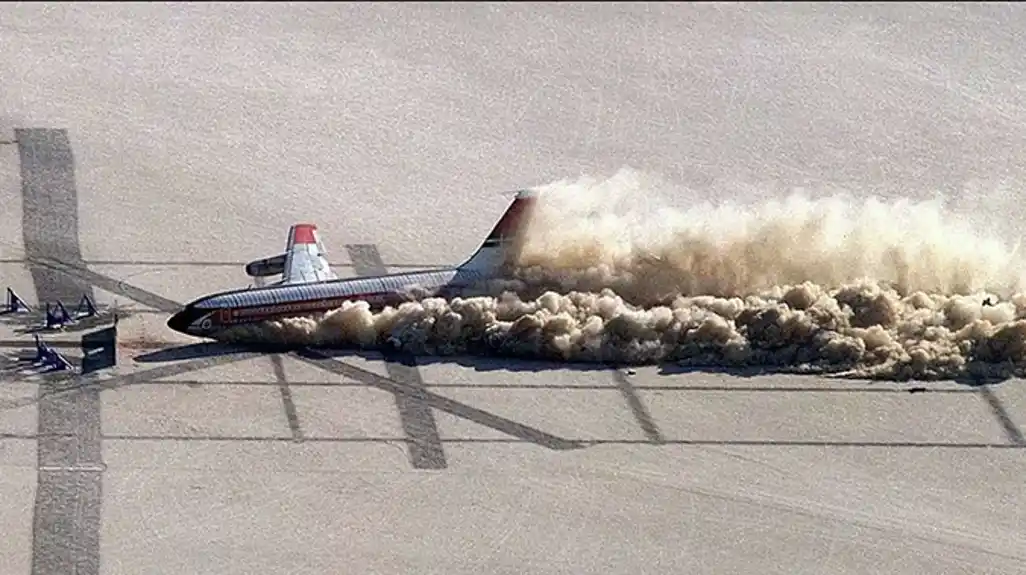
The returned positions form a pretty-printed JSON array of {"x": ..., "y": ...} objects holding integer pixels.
[{"x": 305, "y": 259}]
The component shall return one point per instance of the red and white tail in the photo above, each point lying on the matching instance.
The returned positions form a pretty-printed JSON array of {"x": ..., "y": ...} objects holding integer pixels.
[
  {"x": 490, "y": 256},
  {"x": 305, "y": 258}
]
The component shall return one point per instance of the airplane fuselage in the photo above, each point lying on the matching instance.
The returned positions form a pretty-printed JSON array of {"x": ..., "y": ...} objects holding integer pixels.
[
  {"x": 308, "y": 286},
  {"x": 211, "y": 315}
]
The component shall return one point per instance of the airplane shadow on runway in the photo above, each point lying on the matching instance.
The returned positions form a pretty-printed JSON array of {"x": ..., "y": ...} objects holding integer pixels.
[
  {"x": 497, "y": 363},
  {"x": 478, "y": 363},
  {"x": 204, "y": 350}
]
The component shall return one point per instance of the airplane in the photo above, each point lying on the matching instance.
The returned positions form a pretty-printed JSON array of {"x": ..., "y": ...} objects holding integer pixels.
[{"x": 308, "y": 286}]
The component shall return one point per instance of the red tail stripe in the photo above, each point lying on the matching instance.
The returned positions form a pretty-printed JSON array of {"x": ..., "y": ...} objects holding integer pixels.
[
  {"x": 304, "y": 234},
  {"x": 510, "y": 223}
]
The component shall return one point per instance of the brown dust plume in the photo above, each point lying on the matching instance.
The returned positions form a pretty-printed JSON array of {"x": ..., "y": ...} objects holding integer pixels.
[{"x": 610, "y": 272}]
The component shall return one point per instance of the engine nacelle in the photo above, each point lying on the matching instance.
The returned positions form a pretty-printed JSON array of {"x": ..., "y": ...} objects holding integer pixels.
[{"x": 272, "y": 266}]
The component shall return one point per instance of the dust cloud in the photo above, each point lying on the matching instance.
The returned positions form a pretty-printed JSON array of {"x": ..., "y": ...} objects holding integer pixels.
[{"x": 610, "y": 271}]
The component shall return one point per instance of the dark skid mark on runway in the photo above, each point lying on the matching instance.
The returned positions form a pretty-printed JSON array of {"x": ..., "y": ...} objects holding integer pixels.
[
  {"x": 291, "y": 415},
  {"x": 77, "y": 271},
  {"x": 417, "y": 419},
  {"x": 50, "y": 212},
  {"x": 641, "y": 413},
  {"x": 66, "y": 525},
  {"x": 1012, "y": 431},
  {"x": 434, "y": 401},
  {"x": 288, "y": 404}
]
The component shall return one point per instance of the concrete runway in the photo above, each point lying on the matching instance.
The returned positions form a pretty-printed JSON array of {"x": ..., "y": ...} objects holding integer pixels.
[{"x": 150, "y": 150}]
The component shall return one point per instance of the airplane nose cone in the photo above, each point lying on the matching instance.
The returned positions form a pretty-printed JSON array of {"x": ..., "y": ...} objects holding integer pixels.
[{"x": 179, "y": 322}]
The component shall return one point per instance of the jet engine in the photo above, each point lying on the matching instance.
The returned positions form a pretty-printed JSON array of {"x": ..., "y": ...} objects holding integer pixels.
[{"x": 271, "y": 266}]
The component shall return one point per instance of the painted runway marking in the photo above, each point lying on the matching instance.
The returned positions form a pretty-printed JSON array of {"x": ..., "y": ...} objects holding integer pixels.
[
  {"x": 66, "y": 526},
  {"x": 418, "y": 421}
]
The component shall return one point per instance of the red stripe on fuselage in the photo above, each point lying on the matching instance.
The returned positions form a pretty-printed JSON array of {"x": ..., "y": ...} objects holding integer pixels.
[
  {"x": 304, "y": 234},
  {"x": 256, "y": 314}
]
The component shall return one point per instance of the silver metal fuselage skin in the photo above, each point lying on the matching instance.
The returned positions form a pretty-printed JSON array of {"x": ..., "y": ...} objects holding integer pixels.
[{"x": 210, "y": 315}]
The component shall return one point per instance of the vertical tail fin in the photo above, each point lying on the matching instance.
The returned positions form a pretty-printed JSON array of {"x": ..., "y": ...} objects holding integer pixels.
[{"x": 492, "y": 253}]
